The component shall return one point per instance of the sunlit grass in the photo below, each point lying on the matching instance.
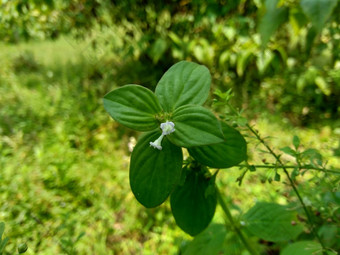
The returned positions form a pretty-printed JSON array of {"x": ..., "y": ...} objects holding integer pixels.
[{"x": 64, "y": 161}]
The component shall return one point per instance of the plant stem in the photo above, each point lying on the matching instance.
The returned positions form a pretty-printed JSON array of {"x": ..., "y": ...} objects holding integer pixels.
[
  {"x": 309, "y": 167},
  {"x": 310, "y": 221},
  {"x": 234, "y": 225}
]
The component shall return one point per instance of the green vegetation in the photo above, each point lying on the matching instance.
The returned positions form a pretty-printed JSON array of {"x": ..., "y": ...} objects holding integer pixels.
[
  {"x": 64, "y": 181},
  {"x": 64, "y": 163}
]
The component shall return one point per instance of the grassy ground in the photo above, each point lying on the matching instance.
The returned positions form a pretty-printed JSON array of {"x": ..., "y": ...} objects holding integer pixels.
[
  {"x": 64, "y": 177},
  {"x": 64, "y": 162}
]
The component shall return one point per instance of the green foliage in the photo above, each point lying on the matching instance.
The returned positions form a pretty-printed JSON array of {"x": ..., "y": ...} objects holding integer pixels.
[
  {"x": 134, "y": 106},
  {"x": 274, "y": 17},
  {"x": 269, "y": 73},
  {"x": 296, "y": 142},
  {"x": 195, "y": 126},
  {"x": 3, "y": 241},
  {"x": 154, "y": 173},
  {"x": 62, "y": 159},
  {"x": 193, "y": 203},
  {"x": 302, "y": 248},
  {"x": 184, "y": 83},
  {"x": 272, "y": 222},
  {"x": 209, "y": 242},
  {"x": 309, "y": 156},
  {"x": 318, "y": 11},
  {"x": 222, "y": 155}
]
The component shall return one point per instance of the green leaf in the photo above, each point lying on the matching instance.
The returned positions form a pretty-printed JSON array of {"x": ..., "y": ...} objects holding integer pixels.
[
  {"x": 158, "y": 49},
  {"x": 318, "y": 11},
  {"x": 310, "y": 38},
  {"x": 209, "y": 242},
  {"x": 295, "y": 173},
  {"x": 3, "y": 244},
  {"x": 329, "y": 234},
  {"x": 133, "y": 106},
  {"x": 272, "y": 222},
  {"x": 232, "y": 244},
  {"x": 222, "y": 155},
  {"x": 242, "y": 61},
  {"x": 271, "y": 20},
  {"x": 241, "y": 121},
  {"x": 314, "y": 156},
  {"x": 323, "y": 85},
  {"x": 184, "y": 83},
  {"x": 302, "y": 248},
  {"x": 193, "y": 207},
  {"x": 2, "y": 229},
  {"x": 277, "y": 177},
  {"x": 154, "y": 173},
  {"x": 297, "y": 19},
  {"x": 288, "y": 151},
  {"x": 195, "y": 126},
  {"x": 336, "y": 151},
  {"x": 4, "y": 241},
  {"x": 263, "y": 60},
  {"x": 296, "y": 142}
]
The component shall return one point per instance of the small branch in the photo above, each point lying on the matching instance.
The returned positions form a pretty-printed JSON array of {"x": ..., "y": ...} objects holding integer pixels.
[
  {"x": 309, "y": 167},
  {"x": 234, "y": 225},
  {"x": 284, "y": 168},
  {"x": 240, "y": 178}
]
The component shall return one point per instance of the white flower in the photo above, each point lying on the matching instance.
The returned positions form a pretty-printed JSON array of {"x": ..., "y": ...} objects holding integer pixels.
[
  {"x": 167, "y": 128},
  {"x": 157, "y": 144}
]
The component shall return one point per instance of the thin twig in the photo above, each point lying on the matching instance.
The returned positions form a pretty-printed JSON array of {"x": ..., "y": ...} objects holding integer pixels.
[
  {"x": 234, "y": 225},
  {"x": 308, "y": 167},
  {"x": 284, "y": 168}
]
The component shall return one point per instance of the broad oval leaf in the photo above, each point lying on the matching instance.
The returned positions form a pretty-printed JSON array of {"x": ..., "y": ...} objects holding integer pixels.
[
  {"x": 133, "y": 106},
  {"x": 302, "y": 248},
  {"x": 193, "y": 204},
  {"x": 195, "y": 126},
  {"x": 209, "y": 242},
  {"x": 184, "y": 83},
  {"x": 318, "y": 11},
  {"x": 222, "y": 155},
  {"x": 154, "y": 173},
  {"x": 272, "y": 222}
]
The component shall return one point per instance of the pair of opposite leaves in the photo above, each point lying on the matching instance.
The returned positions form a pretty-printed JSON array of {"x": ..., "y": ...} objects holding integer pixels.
[{"x": 178, "y": 98}]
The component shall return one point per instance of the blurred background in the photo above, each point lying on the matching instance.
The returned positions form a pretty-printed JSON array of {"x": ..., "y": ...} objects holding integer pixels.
[{"x": 64, "y": 161}]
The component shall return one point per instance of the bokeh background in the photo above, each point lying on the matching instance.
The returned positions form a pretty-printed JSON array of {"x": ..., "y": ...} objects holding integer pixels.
[{"x": 64, "y": 162}]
